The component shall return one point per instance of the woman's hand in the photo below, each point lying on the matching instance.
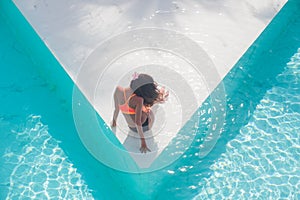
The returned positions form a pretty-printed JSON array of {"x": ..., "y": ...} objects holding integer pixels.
[{"x": 144, "y": 147}]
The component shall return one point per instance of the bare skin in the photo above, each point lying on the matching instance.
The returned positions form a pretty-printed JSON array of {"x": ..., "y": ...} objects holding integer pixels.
[
  {"x": 136, "y": 120},
  {"x": 133, "y": 120}
]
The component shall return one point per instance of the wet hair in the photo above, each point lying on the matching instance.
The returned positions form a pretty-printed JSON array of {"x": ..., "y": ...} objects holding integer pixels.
[{"x": 145, "y": 87}]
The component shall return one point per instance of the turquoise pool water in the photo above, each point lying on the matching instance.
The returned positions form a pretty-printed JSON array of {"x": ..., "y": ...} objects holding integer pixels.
[
  {"x": 262, "y": 161},
  {"x": 40, "y": 152},
  {"x": 255, "y": 158},
  {"x": 32, "y": 160}
]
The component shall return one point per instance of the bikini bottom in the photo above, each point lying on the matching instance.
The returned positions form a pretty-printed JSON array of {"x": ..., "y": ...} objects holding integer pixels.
[{"x": 144, "y": 126}]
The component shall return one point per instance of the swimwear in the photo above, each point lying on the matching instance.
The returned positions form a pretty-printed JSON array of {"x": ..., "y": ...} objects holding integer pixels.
[
  {"x": 125, "y": 109},
  {"x": 144, "y": 126}
]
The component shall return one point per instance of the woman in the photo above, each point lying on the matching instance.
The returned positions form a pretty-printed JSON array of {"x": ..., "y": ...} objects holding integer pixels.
[{"x": 135, "y": 103}]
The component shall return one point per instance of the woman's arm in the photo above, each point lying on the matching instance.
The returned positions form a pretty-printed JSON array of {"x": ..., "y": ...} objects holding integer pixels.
[
  {"x": 116, "y": 112},
  {"x": 138, "y": 123}
]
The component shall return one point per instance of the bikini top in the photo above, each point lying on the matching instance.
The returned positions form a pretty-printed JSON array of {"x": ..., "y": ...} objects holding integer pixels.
[{"x": 126, "y": 109}]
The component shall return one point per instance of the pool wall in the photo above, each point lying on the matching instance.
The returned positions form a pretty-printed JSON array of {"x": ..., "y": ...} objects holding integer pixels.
[{"x": 44, "y": 61}]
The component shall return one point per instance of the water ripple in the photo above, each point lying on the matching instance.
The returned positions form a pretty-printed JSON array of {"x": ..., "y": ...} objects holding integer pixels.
[
  {"x": 41, "y": 169},
  {"x": 262, "y": 161}
]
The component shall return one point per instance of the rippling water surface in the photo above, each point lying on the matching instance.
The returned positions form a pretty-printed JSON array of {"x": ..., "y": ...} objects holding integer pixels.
[
  {"x": 263, "y": 160},
  {"x": 40, "y": 168}
]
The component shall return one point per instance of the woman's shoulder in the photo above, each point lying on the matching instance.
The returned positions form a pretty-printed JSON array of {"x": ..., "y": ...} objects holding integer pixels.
[
  {"x": 137, "y": 99},
  {"x": 119, "y": 90}
]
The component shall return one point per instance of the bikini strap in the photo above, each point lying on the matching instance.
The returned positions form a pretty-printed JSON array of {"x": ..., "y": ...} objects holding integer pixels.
[{"x": 127, "y": 101}]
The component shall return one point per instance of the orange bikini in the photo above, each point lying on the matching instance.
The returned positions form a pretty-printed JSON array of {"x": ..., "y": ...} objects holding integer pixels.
[
  {"x": 125, "y": 107},
  {"x": 128, "y": 110}
]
